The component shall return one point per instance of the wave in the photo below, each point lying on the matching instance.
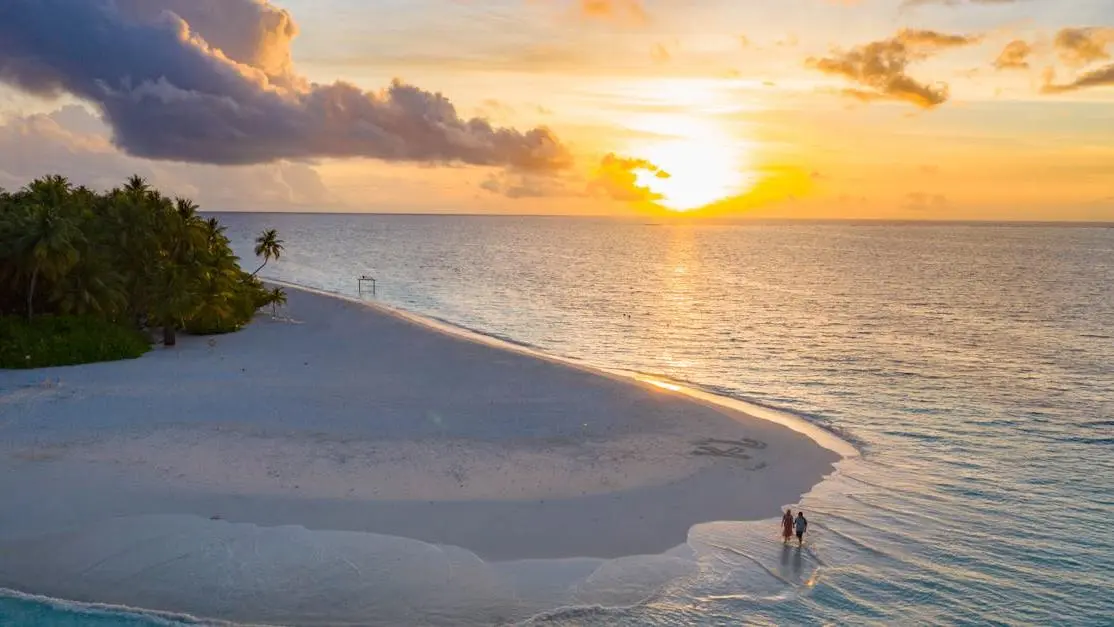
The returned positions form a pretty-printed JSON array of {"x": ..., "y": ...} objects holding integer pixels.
[
  {"x": 272, "y": 575},
  {"x": 23, "y": 608}
]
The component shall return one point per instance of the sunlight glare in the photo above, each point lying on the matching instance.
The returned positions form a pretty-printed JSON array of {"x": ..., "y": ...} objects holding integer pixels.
[{"x": 705, "y": 163}]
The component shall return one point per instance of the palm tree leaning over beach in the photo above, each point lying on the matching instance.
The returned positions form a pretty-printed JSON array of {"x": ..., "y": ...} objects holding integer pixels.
[{"x": 268, "y": 246}]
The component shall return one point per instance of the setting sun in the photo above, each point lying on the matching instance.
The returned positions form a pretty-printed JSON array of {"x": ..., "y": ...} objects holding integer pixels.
[
  {"x": 702, "y": 170},
  {"x": 705, "y": 161}
]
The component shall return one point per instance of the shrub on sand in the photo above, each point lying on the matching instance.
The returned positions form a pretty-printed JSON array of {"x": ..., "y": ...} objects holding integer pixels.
[{"x": 65, "y": 341}]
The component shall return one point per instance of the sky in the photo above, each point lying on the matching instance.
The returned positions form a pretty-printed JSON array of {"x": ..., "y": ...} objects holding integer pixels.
[{"x": 813, "y": 109}]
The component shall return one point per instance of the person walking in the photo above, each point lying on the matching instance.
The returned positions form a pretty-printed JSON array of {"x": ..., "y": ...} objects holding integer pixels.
[
  {"x": 802, "y": 526},
  {"x": 787, "y": 525}
]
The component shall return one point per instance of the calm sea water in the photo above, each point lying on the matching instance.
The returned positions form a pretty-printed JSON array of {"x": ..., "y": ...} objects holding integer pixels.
[{"x": 973, "y": 366}]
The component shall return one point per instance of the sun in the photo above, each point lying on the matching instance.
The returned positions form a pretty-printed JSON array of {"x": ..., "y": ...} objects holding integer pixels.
[
  {"x": 704, "y": 163},
  {"x": 691, "y": 129}
]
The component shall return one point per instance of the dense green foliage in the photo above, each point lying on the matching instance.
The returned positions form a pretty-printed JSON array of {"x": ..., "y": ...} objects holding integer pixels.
[
  {"x": 66, "y": 340},
  {"x": 130, "y": 257}
]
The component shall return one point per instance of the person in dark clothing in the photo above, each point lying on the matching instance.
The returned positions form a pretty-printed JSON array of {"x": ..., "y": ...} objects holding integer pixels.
[
  {"x": 802, "y": 526},
  {"x": 787, "y": 525}
]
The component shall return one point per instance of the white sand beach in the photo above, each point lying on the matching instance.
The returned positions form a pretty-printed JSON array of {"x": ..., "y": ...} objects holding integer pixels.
[{"x": 346, "y": 464}]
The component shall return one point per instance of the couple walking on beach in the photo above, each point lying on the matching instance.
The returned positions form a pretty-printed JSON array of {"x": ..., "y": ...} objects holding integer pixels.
[{"x": 789, "y": 525}]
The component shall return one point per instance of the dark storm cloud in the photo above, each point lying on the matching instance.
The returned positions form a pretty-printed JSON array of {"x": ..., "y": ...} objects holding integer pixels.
[{"x": 224, "y": 92}]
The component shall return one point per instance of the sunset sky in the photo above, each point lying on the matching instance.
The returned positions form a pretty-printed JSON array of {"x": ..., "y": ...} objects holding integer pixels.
[{"x": 910, "y": 109}]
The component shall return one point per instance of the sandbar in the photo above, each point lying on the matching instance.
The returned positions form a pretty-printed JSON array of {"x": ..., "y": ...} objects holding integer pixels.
[{"x": 342, "y": 418}]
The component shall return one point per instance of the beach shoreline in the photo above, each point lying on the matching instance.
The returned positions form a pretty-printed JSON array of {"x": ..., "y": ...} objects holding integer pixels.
[
  {"x": 350, "y": 418},
  {"x": 738, "y": 407}
]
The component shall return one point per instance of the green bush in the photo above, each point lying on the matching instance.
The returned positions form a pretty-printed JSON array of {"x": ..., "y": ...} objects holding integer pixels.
[
  {"x": 65, "y": 341},
  {"x": 231, "y": 311}
]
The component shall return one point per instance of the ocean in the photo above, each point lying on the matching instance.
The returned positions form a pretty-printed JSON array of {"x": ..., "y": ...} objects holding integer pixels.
[{"x": 972, "y": 365}]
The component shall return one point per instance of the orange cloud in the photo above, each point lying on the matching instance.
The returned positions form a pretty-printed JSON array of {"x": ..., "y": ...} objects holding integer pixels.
[
  {"x": 1015, "y": 56},
  {"x": 775, "y": 184},
  {"x": 880, "y": 66},
  {"x": 619, "y": 10},
  {"x": 1079, "y": 47},
  {"x": 617, "y": 178}
]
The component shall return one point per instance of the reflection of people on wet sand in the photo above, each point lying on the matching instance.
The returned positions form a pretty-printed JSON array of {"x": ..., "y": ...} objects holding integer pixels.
[
  {"x": 798, "y": 561},
  {"x": 787, "y": 525},
  {"x": 802, "y": 526}
]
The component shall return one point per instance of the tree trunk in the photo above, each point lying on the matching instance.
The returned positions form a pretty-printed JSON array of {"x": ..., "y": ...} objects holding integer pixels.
[
  {"x": 168, "y": 336},
  {"x": 259, "y": 268},
  {"x": 31, "y": 293}
]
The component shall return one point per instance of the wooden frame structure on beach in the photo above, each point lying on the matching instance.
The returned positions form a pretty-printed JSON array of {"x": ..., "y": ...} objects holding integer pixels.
[{"x": 360, "y": 284}]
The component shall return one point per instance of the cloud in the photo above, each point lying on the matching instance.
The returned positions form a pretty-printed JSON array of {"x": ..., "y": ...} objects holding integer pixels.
[
  {"x": 617, "y": 10},
  {"x": 615, "y": 178},
  {"x": 790, "y": 41},
  {"x": 1015, "y": 56},
  {"x": 923, "y": 201},
  {"x": 252, "y": 32},
  {"x": 909, "y": 4},
  {"x": 527, "y": 185},
  {"x": 618, "y": 179},
  {"x": 1101, "y": 77},
  {"x": 494, "y": 108},
  {"x": 660, "y": 53},
  {"x": 169, "y": 92},
  {"x": 73, "y": 142},
  {"x": 1080, "y": 47},
  {"x": 928, "y": 39},
  {"x": 880, "y": 66}
]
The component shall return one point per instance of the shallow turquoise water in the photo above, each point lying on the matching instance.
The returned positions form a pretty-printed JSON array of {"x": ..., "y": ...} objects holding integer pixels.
[
  {"x": 972, "y": 365},
  {"x": 29, "y": 611}
]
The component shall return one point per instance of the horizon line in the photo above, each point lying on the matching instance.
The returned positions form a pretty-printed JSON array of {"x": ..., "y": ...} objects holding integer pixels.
[{"x": 681, "y": 218}]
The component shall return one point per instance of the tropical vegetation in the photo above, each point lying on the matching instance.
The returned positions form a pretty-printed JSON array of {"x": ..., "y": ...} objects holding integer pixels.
[{"x": 83, "y": 275}]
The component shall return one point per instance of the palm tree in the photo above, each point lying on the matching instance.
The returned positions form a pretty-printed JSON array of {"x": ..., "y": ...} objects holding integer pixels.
[
  {"x": 187, "y": 208},
  {"x": 49, "y": 191},
  {"x": 268, "y": 246},
  {"x": 277, "y": 298},
  {"x": 47, "y": 248},
  {"x": 177, "y": 299},
  {"x": 136, "y": 185},
  {"x": 91, "y": 287},
  {"x": 215, "y": 228}
]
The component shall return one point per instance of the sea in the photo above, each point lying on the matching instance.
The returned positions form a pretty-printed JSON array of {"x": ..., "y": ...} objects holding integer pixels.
[{"x": 971, "y": 366}]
